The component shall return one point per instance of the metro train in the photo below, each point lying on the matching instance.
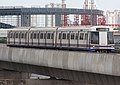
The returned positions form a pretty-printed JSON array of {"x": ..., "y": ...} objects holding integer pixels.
[
  {"x": 95, "y": 38},
  {"x": 3, "y": 35}
]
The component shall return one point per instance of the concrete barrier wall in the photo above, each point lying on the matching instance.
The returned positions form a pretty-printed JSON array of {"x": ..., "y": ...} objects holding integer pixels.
[{"x": 78, "y": 61}]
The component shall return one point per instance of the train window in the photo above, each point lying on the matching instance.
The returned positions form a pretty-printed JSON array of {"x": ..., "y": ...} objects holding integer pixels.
[
  {"x": 86, "y": 36},
  {"x": 76, "y": 37},
  {"x": 19, "y": 34},
  {"x": 16, "y": 35},
  {"x": 25, "y": 35},
  {"x": 72, "y": 36},
  {"x": 52, "y": 35},
  {"x": 41, "y": 35},
  {"x": 22, "y": 35},
  {"x": 48, "y": 35},
  {"x": 44, "y": 35},
  {"x": 110, "y": 38},
  {"x": 102, "y": 29},
  {"x": 11, "y": 35},
  {"x": 31, "y": 36},
  {"x": 68, "y": 36},
  {"x": 64, "y": 36},
  {"x": 59, "y": 35},
  {"x": 94, "y": 37},
  {"x": 35, "y": 36},
  {"x": 81, "y": 36}
]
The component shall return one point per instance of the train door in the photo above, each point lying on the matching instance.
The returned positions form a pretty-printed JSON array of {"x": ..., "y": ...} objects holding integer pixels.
[
  {"x": 16, "y": 37},
  {"x": 43, "y": 38},
  {"x": 73, "y": 39},
  {"x": 65, "y": 39},
  {"x": 49, "y": 38},
  {"x": 10, "y": 37},
  {"x": 59, "y": 39},
  {"x": 102, "y": 38},
  {"x": 82, "y": 41},
  {"x": 23, "y": 38}
]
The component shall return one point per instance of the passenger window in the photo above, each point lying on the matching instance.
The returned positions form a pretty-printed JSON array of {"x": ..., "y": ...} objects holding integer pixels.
[
  {"x": 72, "y": 35},
  {"x": 86, "y": 36},
  {"x": 52, "y": 35},
  {"x": 81, "y": 36},
  {"x": 31, "y": 36},
  {"x": 41, "y": 36},
  {"x": 26, "y": 35},
  {"x": 11, "y": 35},
  {"x": 59, "y": 35},
  {"x": 22, "y": 35},
  {"x": 16, "y": 35},
  {"x": 76, "y": 37},
  {"x": 68, "y": 36},
  {"x": 48, "y": 35},
  {"x": 44, "y": 35},
  {"x": 64, "y": 36},
  {"x": 35, "y": 36}
]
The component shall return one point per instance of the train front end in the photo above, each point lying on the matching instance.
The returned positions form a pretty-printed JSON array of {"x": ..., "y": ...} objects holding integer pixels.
[{"x": 102, "y": 41}]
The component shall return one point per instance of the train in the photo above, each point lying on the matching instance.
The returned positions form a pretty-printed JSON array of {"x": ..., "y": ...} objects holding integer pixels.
[
  {"x": 3, "y": 35},
  {"x": 91, "y": 38}
]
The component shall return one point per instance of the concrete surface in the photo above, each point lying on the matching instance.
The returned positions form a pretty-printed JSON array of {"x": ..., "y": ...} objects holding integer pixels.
[
  {"x": 40, "y": 82},
  {"x": 78, "y": 61}
]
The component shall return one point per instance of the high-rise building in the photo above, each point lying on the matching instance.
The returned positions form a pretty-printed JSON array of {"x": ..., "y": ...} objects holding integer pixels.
[{"x": 113, "y": 17}]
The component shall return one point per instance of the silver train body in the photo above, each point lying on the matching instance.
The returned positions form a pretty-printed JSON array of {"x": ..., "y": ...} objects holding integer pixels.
[{"x": 96, "y": 38}]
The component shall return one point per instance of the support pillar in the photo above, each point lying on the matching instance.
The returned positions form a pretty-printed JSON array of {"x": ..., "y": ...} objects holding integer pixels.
[
  {"x": 93, "y": 20},
  {"x": 25, "y": 20},
  {"x": 58, "y": 20}
]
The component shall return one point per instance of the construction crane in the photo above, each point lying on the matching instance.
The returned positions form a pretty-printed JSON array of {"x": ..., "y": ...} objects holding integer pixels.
[
  {"x": 85, "y": 17},
  {"x": 64, "y": 17}
]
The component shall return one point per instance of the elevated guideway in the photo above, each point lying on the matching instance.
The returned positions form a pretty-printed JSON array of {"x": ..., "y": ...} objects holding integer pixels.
[
  {"x": 70, "y": 60},
  {"x": 90, "y": 68}
]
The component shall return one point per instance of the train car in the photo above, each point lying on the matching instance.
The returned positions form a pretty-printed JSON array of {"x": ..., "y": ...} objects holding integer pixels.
[
  {"x": 3, "y": 35},
  {"x": 96, "y": 38}
]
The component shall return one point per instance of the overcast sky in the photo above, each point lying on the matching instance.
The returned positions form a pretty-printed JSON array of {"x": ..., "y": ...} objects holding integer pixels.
[{"x": 100, "y": 4}]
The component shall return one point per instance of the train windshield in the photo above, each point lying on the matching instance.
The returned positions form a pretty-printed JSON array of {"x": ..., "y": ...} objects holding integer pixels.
[
  {"x": 110, "y": 38},
  {"x": 94, "y": 37}
]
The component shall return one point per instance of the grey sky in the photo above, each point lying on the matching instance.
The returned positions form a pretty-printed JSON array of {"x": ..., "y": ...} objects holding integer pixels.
[{"x": 100, "y": 4}]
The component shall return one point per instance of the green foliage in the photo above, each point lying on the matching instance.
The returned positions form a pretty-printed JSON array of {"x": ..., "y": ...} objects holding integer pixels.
[
  {"x": 117, "y": 50},
  {"x": 3, "y": 40}
]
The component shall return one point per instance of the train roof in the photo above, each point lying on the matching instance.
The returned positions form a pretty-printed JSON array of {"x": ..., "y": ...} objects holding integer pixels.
[{"x": 72, "y": 28}]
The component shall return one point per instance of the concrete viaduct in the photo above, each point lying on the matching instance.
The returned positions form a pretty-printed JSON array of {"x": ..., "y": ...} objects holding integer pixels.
[{"x": 83, "y": 67}]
